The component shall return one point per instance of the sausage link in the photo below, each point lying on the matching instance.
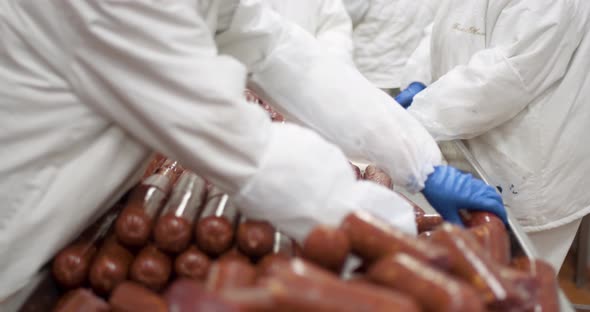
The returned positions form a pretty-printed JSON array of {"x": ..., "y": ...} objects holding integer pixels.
[
  {"x": 255, "y": 238},
  {"x": 476, "y": 218},
  {"x": 132, "y": 297},
  {"x": 151, "y": 268},
  {"x": 474, "y": 265},
  {"x": 234, "y": 253},
  {"x": 428, "y": 222},
  {"x": 283, "y": 250},
  {"x": 378, "y": 176},
  {"x": 548, "y": 287},
  {"x": 154, "y": 164},
  {"x": 425, "y": 235},
  {"x": 494, "y": 240},
  {"x": 301, "y": 267},
  {"x": 81, "y": 300},
  {"x": 174, "y": 228},
  {"x": 134, "y": 225},
  {"x": 328, "y": 247},
  {"x": 71, "y": 265},
  {"x": 110, "y": 267},
  {"x": 296, "y": 290},
  {"x": 433, "y": 289},
  {"x": 230, "y": 273},
  {"x": 189, "y": 296},
  {"x": 371, "y": 239},
  {"x": 215, "y": 229},
  {"x": 491, "y": 233},
  {"x": 192, "y": 264}
]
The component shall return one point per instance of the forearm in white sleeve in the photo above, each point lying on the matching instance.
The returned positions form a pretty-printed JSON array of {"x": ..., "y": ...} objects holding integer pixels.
[
  {"x": 529, "y": 51},
  {"x": 357, "y": 9},
  {"x": 152, "y": 69},
  {"x": 292, "y": 73}
]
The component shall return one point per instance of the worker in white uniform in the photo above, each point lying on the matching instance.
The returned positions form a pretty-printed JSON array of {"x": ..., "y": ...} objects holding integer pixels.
[
  {"x": 385, "y": 34},
  {"x": 326, "y": 20},
  {"x": 89, "y": 88},
  {"x": 512, "y": 78}
]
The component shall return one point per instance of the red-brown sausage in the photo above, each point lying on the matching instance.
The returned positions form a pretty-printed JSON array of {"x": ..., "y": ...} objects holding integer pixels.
[
  {"x": 134, "y": 225},
  {"x": 151, "y": 268},
  {"x": 494, "y": 240},
  {"x": 81, "y": 300},
  {"x": 283, "y": 250},
  {"x": 476, "y": 218},
  {"x": 378, "y": 176},
  {"x": 433, "y": 289},
  {"x": 301, "y": 267},
  {"x": 154, "y": 164},
  {"x": 174, "y": 228},
  {"x": 186, "y": 295},
  {"x": 371, "y": 239},
  {"x": 296, "y": 290},
  {"x": 547, "y": 296},
  {"x": 230, "y": 273},
  {"x": 255, "y": 238},
  {"x": 132, "y": 297},
  {"x": 328, "y": 247},
  {"x": 471, "y": 263},
  {"x": 234, "y": 253},
  {"x": 215, "y": 229},
  {"x": 110, "y": 267},
  {"x": 490, "y": 232},
  {"x": 428, "y": 222},
  {"x": 425, "y": 235},
  {"x": 71, "y": 265},
  {"x": 192, "y": 264}
]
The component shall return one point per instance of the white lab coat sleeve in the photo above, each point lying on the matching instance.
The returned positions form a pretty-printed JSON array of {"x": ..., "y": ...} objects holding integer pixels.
[
  {"x": 152, "y": 68},
  {"x": 529, "y": 50},
  {"x": 334, "y": 31},
  {"x": 418, "y": 68},
  {"x": 357, "y": 9},
  {"x": 308, "y": 86}
]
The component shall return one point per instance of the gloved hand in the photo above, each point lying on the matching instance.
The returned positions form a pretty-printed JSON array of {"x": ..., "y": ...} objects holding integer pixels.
[
  {"x": 406, "y": 97},
  {"x": 448, "y": 190}
]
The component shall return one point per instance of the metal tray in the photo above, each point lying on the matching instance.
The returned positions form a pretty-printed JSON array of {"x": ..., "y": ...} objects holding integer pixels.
[{"x": 457, "y": 154}]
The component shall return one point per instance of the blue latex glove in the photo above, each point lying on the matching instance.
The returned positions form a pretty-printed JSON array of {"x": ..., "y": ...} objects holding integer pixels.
[
  {"x": 448, "y": 190},
  {"x": 406, "y": 97}
]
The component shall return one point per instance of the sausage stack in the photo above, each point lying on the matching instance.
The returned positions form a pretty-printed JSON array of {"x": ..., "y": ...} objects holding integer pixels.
[{"x": 201, "y": 255}]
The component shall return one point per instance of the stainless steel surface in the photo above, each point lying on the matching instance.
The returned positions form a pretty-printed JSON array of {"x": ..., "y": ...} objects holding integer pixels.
[{"x": 458, "y": 155}]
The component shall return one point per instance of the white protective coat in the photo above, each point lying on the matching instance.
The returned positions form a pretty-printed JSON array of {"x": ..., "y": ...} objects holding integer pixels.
[
  {"x": 386, "y": 33},
  {"x": 88, "y": 88},
  {"x": 326, "y": 20},
  {"x": 511, "y": 77}
]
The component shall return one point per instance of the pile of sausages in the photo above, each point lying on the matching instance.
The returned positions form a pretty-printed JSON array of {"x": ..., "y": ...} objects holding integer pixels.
[
  {"x": 253, "y": 98},
  {"x": 179, "y": 244}
]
